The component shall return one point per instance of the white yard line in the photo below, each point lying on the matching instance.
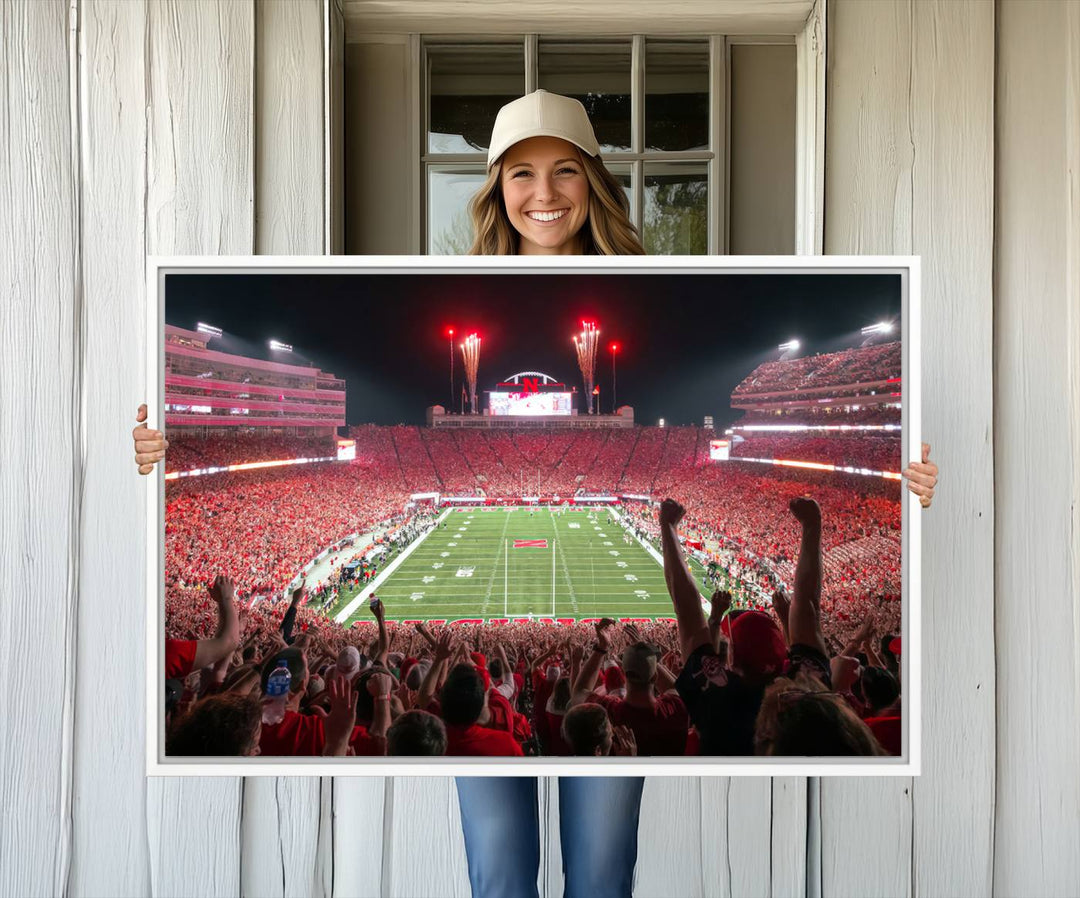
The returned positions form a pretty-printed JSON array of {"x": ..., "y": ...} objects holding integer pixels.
[
  {"x": 362, "y": 596},
  {"x": 495, "y": 566},
  {"x": 656, "y": 556},
  {"x": 566, "y": 570}
]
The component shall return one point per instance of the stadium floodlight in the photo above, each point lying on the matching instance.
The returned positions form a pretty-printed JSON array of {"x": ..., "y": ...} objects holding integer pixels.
[
  {"x": 790, "y": 346},
  {"x": 280, "y": 347},
  {"x": 882, "y": 327},
  {"x": 204, "y": 328}
]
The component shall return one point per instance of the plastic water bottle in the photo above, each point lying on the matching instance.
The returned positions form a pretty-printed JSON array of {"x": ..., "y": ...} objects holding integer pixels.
[{"x": 277, "y": 694}]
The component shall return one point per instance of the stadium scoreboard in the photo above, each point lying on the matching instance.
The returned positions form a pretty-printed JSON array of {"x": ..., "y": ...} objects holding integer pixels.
[
  {"x": 530, "y": 396},
  {"x": 524, "y": 404},
  {"x": 719, "y": 450}
]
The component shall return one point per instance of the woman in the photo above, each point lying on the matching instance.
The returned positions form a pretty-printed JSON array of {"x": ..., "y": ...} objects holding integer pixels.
[{"x": 548, "y": 193}]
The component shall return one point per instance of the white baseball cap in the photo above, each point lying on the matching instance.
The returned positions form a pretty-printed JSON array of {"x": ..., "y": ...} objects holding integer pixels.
[{"x": 541, "y": 114}]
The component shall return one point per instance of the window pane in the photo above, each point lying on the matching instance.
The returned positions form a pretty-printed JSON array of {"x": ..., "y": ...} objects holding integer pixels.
[
  {"x": 597, "y": 74},
  {"x": 676, "y": 95},
  {"x": 467, "y": 84},
  {"x": 449, "y": 191},
  {"x": 676, "y": 209},
  {"x": 624, "y": 176}
]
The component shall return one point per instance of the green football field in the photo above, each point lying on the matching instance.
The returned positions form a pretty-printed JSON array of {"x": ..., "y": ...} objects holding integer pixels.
[{"x": 510, "y": 562}]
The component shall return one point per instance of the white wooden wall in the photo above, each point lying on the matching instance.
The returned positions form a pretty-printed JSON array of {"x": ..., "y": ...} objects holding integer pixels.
[{"x": 953, "y": 132}]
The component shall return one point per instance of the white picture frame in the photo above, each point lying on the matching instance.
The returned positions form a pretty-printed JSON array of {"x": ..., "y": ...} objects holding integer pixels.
[{"x": 908, "y": 764}]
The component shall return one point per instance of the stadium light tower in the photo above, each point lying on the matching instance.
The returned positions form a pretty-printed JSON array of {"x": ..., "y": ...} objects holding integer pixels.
[
  {"x": 614, "y": 351},
  {"x": 209, "y": 329},
  {"x": 277, "y": 346},
  {"x": 450, "y": 334}
]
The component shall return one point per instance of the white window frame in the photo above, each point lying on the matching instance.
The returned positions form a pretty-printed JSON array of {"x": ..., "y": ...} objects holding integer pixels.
[{"x": 809, "y": 42}]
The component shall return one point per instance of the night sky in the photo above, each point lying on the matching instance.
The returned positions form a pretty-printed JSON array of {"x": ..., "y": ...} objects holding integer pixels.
[{"x": 685, "y": 340}]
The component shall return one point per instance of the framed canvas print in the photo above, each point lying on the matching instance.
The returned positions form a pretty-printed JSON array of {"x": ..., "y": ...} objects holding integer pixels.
[{"x": 498, "y": 516}]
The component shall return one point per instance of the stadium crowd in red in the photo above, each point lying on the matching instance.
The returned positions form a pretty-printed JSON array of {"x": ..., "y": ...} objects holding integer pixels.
[
  {"x": 262, "y": 528},
  {"x": 876, "y": 452},
  {"x": 278, "y": 680},
  {"x": 835, "y": 369},
  {"x": 219, "y": 451},
  {"x": 823, "y": 414}
]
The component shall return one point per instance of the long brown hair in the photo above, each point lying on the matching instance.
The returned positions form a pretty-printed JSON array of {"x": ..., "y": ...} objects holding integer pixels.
[
  {"x": 608, "y": 230},
  {"x": 802, "y": 717}
]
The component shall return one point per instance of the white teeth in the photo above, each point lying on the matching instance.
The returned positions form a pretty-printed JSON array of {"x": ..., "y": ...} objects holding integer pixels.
[{"x": 546, "y": 216}]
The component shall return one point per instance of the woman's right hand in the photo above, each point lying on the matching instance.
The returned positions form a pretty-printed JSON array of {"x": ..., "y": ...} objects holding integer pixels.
[{"x": 150, "y": 445}]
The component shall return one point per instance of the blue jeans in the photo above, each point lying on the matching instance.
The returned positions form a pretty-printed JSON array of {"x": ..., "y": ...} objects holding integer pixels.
[{"x": 598, "y": 822}]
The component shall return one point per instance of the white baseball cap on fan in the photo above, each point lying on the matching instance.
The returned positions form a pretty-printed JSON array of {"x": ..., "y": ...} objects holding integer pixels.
[{"x": 541, "y": 114}]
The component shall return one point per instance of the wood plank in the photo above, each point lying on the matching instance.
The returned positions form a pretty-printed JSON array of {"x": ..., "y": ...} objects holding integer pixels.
[
  {"x": 423, "y": 845},
  {"x": 953, "y": 230},
  {"x": 868, "y": 195},
  {"x": 282, "y": 817},
  {"x": 551, "y": 873},
  {"x": 289, "y": 127},
  {"x": 201, "y": 181},
  {"x": 865, "y": 837},
  {"x": 193, "y": 829},
  {"x": 360, "y": 820},
  {"x": 910, "y": 155},
  {"x": 280, "y": 837},
  {"x": 199, "y": 200},
  {"x": 788, "y": 843},
  {"x": 41, "y": 435},
  {"x": 736, "y": 836},
  {"x": 110, "y": 748},
  {"x": 868, "y": 152},
  {"x": 1037, "y": 374},
  {"x": 670, "y": 825}
]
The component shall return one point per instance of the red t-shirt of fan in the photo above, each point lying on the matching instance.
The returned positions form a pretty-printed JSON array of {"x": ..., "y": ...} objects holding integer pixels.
[
  {"x": 474, "y": 740},
  {"x": 659, "y": 731},
  {"x": 179, "y": 657},
  {"x": 556, "y": 744},
  {"x": 887, "y": 732},
  {"x": 303, "y": 735}
]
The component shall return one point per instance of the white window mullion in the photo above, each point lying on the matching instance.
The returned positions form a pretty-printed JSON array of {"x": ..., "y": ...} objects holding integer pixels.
[
  {"x": 419, "y": 93},
  {"x": 725, "y": 143},
  {"x": 717, "y": 186},
  {"x": 532, "y": 60},
  {"x": 637, "y": 129}
]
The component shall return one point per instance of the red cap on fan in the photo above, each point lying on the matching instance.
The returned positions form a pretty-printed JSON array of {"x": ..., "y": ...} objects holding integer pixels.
[
  {"x": 614, "y": 678},
  {"x": 894, "y": 646},
  {"x": 757, "y": 645}
]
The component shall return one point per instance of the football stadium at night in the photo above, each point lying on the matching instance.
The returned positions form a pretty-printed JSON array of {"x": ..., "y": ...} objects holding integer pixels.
[{"x": 519, "y": 506}]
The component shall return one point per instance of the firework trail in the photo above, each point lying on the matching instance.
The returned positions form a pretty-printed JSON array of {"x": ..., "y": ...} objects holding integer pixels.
[
  {"x": 470, "y": 354},
  {"x": 586, "y": 344}
]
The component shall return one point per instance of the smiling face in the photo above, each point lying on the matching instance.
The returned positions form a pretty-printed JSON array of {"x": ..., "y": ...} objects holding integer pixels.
[{"x": 546, "y": 195}]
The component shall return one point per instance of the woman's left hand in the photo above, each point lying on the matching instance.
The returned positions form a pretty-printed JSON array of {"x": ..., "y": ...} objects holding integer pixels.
[{"x": 922, "y": 477}]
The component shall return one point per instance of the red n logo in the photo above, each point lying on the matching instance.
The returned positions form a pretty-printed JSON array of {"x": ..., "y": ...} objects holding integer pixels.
[{"x": 531, "y": 385}]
